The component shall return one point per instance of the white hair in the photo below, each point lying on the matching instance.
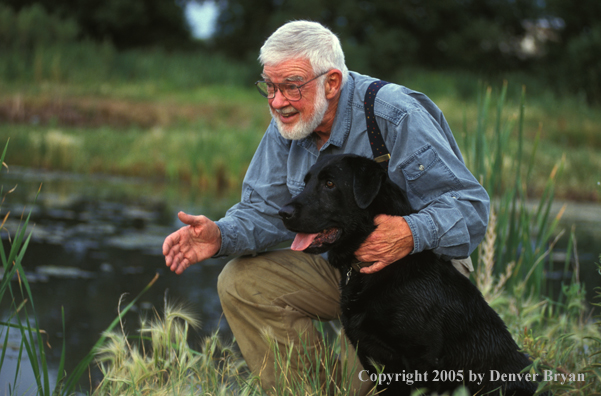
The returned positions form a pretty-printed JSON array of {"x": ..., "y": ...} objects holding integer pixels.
[{"x": 305, "y": 40}]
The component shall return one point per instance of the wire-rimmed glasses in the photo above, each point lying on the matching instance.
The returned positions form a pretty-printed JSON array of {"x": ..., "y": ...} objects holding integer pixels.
[{"x": 291, "y": 91}]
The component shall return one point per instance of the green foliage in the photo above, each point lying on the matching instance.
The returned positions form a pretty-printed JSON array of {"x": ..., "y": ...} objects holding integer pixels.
[
  {"x": 573, "y": 61},
  {"x": 505, "y": 170},
  {"x": 210, "y": 158},
  {"x": 383, "y": 36},
  {"x": 125, "y": 24},
  {"x": 560, "y": 337},
  {"x": 98, "y": 65},
  {"x": 160, "y": 363},
  {"x": 148, "y": 114},
  {"x": 21, "y": 305},
  {"x": 32, "y": 27},
  {"x": 584, "y": 67}
]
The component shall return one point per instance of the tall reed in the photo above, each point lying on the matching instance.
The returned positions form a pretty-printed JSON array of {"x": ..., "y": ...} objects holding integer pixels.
[
  {"x": 22, "y": 308},
  {"x": 23, "y": 319},
  {"x": 495, "y": 153}
]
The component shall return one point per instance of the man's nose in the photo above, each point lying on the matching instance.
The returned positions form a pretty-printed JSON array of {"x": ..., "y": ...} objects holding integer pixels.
[{"x": 279, "y": 100}]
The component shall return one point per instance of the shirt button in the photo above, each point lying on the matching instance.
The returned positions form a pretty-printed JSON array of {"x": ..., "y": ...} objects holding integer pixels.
[{"x": 421, "y": 167}]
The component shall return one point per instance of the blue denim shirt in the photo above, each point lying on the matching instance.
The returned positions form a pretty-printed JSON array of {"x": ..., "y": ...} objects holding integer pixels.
[{"x": 452, "y": 207}]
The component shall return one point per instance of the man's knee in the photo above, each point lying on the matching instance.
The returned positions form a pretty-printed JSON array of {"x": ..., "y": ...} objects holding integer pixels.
[
  {"x": 232, "y": 277},
  {"x": 244, "y": 278}
]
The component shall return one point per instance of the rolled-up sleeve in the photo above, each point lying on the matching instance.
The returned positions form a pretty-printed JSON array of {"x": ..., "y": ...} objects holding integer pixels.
[
  {"x": 451, "y": 206},
  {"x": 253, "y": 224}
]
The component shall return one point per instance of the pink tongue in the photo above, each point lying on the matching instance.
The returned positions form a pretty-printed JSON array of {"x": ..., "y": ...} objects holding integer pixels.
[{"x": 302, "y": 241}]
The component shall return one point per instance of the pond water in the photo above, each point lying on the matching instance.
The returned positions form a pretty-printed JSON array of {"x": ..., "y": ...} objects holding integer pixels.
[{"x": 96, "y": 238}]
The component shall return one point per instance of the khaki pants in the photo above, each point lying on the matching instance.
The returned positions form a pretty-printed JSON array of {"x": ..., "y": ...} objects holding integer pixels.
[{"x": 279, "y": 294}]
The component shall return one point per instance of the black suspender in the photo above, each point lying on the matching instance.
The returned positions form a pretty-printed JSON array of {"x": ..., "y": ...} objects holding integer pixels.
[{"x": 381, "y": 154}]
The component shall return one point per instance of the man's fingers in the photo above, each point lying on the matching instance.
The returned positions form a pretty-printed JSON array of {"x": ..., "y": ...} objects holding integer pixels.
[
  {"x": 178, "y": 265},
  {"x": 189, "y": 219},
  {"x": 379, "y": 219},
  {"x": 167, "y": 245},
  {"x": 191, "y": 243},
  {"x": 375, "y": 267},
  {"x": 171, "y": 242},
  {"x": 181, "y": 266}
]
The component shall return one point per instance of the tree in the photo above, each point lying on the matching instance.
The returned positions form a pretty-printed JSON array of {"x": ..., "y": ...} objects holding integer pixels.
[
  {"x": 126, "y": 24},
  {"x": 381, "y": 36},
  {"x": 576, "y": 56}
]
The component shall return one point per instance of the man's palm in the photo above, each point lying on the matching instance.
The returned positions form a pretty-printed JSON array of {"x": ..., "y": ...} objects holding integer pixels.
[{"x": 196, "y": 242}]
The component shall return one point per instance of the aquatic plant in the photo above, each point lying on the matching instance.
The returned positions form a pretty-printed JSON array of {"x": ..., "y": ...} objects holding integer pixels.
[{"x": 159, "y": 361}]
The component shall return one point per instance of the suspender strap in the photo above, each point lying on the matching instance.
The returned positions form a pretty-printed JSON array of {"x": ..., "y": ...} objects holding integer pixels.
[{"x": 381, "y": 154}]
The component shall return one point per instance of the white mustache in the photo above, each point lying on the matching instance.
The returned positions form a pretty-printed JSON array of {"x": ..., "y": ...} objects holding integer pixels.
[{"x": 286, "y": 111}]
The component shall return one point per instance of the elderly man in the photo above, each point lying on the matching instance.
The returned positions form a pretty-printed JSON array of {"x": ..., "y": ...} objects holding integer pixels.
[{"x": 318, "y": 108}]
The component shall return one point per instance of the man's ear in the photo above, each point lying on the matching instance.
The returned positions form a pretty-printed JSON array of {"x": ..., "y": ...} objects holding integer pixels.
[
  {"x": 367, "y": 181},
  {"x": 333, "y": 83}
]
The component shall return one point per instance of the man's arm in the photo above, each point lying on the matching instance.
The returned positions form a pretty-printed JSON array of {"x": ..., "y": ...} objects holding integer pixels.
[
  {"x": 253, "y": 225},
  {"x": 452, "y": 207},
  {"x": 250, "y": 226}
]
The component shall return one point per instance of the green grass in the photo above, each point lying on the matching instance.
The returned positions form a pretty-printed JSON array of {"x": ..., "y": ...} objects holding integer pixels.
[
  {"x": 195, "y": 116},
  {"x": 558, "y": 336},
  {"x": 217, "y": 138},
  {"x": 210, "y": 158}
]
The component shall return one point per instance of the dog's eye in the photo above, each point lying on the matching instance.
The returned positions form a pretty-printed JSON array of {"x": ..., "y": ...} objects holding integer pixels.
[{"x": 330, "y": 184}]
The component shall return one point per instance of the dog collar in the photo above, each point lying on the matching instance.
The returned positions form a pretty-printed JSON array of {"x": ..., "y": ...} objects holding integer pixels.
[{"x": 357, "y": 265}]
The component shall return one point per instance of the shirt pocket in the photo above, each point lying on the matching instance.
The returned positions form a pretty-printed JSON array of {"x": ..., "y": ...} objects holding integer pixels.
[{"x": 428, "y": 177}]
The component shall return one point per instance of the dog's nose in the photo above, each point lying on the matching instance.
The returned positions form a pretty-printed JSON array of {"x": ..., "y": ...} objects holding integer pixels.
[{"x": 288, "y": 211}]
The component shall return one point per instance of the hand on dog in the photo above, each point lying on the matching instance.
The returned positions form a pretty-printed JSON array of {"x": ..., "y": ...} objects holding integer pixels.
[
  {"x": 199, "y": 240},
  {"x": 391, "y": 241}
]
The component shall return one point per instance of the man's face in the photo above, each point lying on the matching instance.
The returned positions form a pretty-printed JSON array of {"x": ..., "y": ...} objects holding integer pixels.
[{"x": 296, "y": 119}]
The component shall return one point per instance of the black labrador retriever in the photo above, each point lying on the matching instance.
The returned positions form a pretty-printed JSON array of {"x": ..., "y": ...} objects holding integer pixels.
[{"x": 419, "y": 317}]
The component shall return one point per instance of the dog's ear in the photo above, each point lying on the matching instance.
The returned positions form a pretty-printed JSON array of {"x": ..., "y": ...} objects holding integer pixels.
[{"x": 367, "y": 180}]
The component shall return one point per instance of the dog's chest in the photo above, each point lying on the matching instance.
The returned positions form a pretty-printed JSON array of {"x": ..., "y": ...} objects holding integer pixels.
[
  {"x": 363, "y": 322},
  {"x": 361, "y": 302}
]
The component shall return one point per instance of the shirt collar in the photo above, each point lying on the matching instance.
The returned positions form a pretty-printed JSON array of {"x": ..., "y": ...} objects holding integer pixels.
[{"x": 342, "y": 122}]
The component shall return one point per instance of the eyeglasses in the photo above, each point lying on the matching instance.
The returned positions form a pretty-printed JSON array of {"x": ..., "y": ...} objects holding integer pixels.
[{"x": 292, "y": 92}]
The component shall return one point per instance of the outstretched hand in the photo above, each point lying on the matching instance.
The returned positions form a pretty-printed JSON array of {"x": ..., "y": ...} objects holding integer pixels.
[
  {"x": 391, "y": 241},
  {"x": 198, "y": 241}
]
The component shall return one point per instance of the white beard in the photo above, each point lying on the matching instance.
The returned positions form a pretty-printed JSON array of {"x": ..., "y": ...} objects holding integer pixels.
[{"x": 303, "y": 128}]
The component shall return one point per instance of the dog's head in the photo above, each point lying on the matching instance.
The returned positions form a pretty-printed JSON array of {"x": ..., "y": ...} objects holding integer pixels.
[{"x": 336, "y": 204}]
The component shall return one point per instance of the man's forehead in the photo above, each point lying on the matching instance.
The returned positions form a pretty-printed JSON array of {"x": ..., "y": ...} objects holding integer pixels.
[
  {"x": 292, "y": 77},
  {"x": 288, "y": 70}
]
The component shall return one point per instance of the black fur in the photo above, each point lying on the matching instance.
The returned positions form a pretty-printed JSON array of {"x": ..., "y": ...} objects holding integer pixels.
[{"x": 418, "y": 314}]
